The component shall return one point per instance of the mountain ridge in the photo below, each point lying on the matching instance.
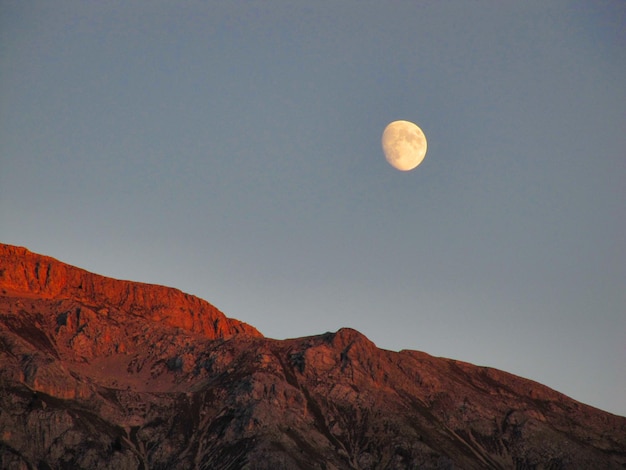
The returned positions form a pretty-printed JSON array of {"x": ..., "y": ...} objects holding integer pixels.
[
  {"x": 47, "y": 277},
  {"x": 101, "y": 373}
]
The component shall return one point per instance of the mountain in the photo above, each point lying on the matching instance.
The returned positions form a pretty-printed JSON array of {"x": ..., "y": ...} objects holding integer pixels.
[{"x": 101, "y": 373}]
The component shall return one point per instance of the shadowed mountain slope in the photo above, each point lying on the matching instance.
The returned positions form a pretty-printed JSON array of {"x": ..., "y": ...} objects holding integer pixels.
[{"x": 100, "y": 373}]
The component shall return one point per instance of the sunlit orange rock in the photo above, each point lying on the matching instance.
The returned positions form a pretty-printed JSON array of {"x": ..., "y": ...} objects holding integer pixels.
[
  {"x": 100, "y": 373},
  {"x": 23, "y": 272}
]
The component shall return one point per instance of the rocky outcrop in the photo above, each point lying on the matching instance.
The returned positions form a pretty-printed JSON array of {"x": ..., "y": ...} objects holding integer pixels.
[
  {"x": 30, "y": 274},
  {"x": 89, "y": 381}
]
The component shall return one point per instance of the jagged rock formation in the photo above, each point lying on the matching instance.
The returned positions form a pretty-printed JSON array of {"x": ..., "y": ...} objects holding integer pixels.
[{"x": 99, "y": 373}]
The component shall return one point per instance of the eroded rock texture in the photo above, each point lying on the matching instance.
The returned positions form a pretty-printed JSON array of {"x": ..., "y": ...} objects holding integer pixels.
[{"x": 100, "y": 373}]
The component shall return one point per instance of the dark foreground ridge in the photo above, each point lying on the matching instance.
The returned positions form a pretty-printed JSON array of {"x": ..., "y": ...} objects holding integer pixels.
[{"x": 100, "y": 373}]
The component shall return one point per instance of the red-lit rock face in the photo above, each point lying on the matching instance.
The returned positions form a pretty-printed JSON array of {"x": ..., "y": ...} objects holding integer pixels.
[
  {"x": 25, "y": 273},
  {"x": 99, "y": 373}
]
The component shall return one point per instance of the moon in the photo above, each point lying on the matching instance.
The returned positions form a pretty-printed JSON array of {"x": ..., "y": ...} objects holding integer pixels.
[{"x": 404, "y": 145}]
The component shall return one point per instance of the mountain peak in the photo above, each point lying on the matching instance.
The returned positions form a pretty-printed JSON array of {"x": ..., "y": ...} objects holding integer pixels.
[{"x": 101, "y": 373}]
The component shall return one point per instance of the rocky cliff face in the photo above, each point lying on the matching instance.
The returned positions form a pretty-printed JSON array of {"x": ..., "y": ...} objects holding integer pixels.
[
  {"x": 23, "y": 273},
  {"x": 99, "y": 373}
]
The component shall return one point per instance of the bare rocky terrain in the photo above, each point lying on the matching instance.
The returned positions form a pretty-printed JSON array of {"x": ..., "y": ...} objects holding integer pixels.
[{"x": 101, "y": 373}]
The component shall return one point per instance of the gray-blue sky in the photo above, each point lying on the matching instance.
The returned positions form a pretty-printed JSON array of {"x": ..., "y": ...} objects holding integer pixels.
[{"x": 232, "y": 150}]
